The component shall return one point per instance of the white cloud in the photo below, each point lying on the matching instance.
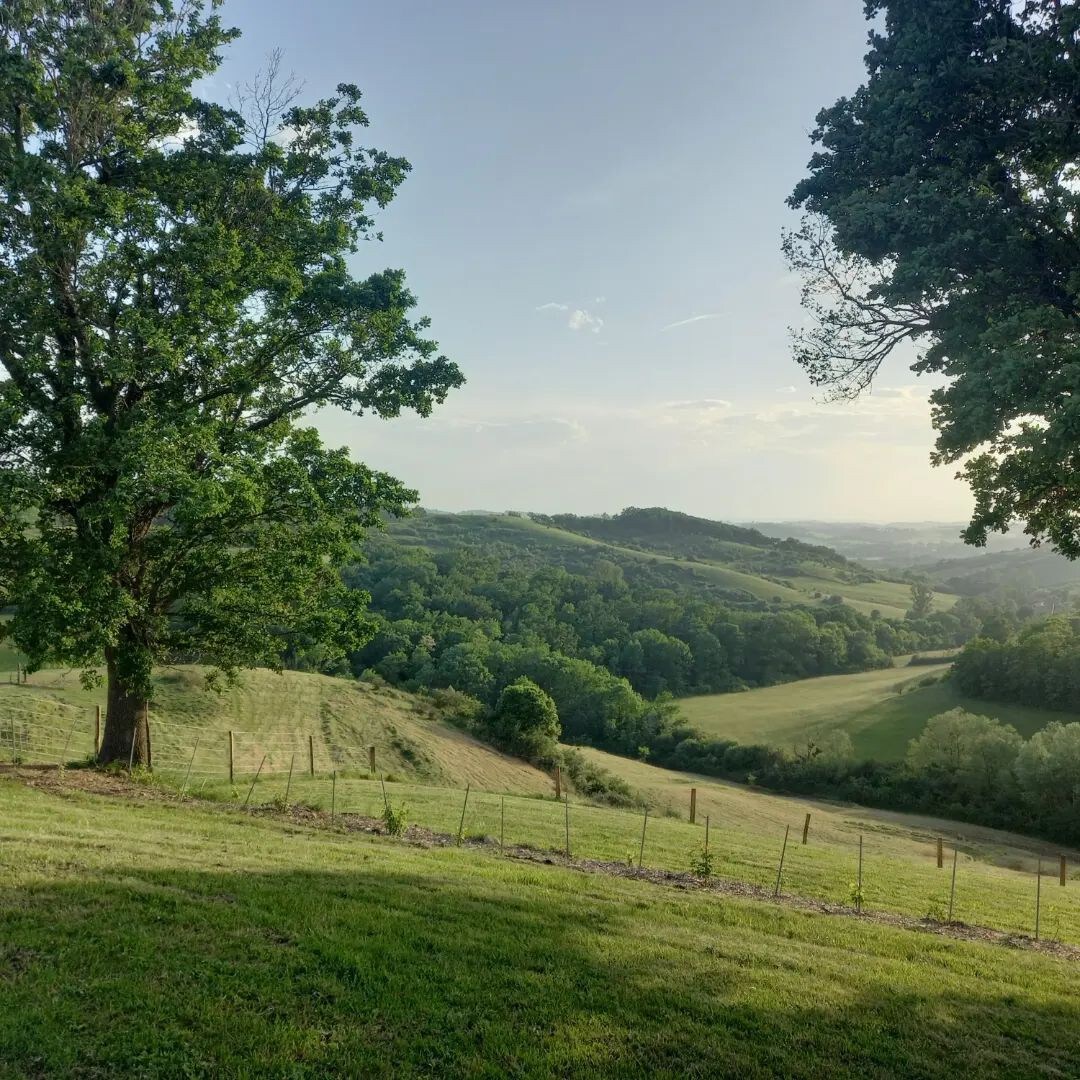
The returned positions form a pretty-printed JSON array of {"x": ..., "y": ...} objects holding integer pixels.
[
  {"x": 786, "y": 390},
  {"x": 700, "y": 404},
  {"x": 580, "y": 319},
  {"x": 552, "y": 306},
  {"x": 693, "y": 319}
]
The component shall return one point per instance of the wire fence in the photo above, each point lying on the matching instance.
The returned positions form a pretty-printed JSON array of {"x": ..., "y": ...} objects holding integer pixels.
[{"x": 873, "y": 862}]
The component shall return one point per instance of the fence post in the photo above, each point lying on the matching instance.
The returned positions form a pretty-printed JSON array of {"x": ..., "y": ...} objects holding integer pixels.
[
  {"x": 333, "y": 797},
  {"x": 693, "y": 805},
  {"x": 940, "y": 853},
  {"x": 1038, "y": 897},
  {"x": 187, "y": 775},
  {"x": 252, "y": 788},
  {"x": 131, "y": 756},
  {"x": 806, "y": 829},
  {"x": 641, "y": 851},
  {"x": 780, "y": 868},
  {"x": 858, "y": 895},
  {"x": 461, "y": 826},
  {"x": 311, "y": 754},
  {"x": 567, "y": 802},
  {"x": 371, "y": 760},
  {"x": 558, "y": 781},
  {"x": 1062, "y": 869},
  {"x": 502, "y": 824},
  {"x": 288, "y": 783},
  {"x": 97, "y": 729},
  {"x": 14, "y": 756},
  {"x": 231, "y": 774},
  {"x": 67, "y": 743},
  {"x": 706, "y": 834},
  {"x": 952, "y": 889}
]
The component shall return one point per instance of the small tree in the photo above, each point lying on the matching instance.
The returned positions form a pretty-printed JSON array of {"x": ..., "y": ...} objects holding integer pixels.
[
  {"x": 922, "y": 600},
  {"x": 175, "y": 295},
  {"x": 525, "y": 719}
]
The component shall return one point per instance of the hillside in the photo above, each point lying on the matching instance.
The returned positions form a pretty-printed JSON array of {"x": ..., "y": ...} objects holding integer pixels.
[
  {"x": 881, "y": 710},
  {"x": 744, "y": 562},
  {"x": 272, "y": 715},
  {"x": 255, "y": 945}
]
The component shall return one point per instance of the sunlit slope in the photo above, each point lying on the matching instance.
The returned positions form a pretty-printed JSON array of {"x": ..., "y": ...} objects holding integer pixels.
[
  {"x": 881, "y": 710},
  {"x": 272, "y": 716},
  {"x": 251, "y": 946}
]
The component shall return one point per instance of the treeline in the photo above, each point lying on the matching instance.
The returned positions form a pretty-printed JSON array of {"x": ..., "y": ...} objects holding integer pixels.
[
  {"x": 475, "y": 617},
  {"x": 963, "y": 766},
  {"x": 1038, "y": 665}
]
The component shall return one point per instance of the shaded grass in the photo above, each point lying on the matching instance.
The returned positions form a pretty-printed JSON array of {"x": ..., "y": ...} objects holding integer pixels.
[{"x": 173, "y": 941}]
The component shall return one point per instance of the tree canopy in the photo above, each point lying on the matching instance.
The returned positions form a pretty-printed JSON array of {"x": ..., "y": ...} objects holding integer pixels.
[
  {"x": 942, "y": 208},
  {"x": 177, "y": 295}
]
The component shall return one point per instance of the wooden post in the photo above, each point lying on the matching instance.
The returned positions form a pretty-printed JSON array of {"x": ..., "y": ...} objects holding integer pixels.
[
  {"x": 461, "y": 826},
  {"x": 558, "y": 781},
  {"x": 311, "y": 755},
  {"x": 333, "y": 796},
  {"x": 252, "y": 788},
  {"x": 641, "y": 851},
  {"x": 67, "y": 743},
  {"x": 567, "y": 802},
  {"x": 1038, "y": 897},
  {"x": 693, "y": 805},
  {"x": 858, "y": 897},
  {"x": 231, "y": 757},
  {"x": 780, "y": 868},
  {"x": 288, "y": 783},
  {"x": 805, "y": 829},
  {"x": 187, "y": 775},
  {"x": 940, "y": 853},
  {"x": 131, "y": 756},
  {"x": 706, "y": 834},
  {"x": 952, "y": 889},
  {"x": 502, "y": 824},
  {"x": 97, "y": 729},
  {"x": 14, "y": 756},
  {"x": 1062, "y": 869}
]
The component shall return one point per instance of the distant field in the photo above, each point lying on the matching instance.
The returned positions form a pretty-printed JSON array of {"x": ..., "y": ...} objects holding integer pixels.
[
  {"x": 156, "y": 939},
  {"x": 880, "y": 720}
]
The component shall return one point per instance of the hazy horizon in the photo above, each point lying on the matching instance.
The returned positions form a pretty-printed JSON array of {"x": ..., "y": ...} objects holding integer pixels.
[{"x": 593, "y": 224}]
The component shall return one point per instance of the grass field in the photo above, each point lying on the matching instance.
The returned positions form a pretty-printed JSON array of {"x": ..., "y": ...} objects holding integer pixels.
[
  {"x": 881, "y": 710},
  {"x": 168, "y": 940},
  {"x": 270, "y": 715}
]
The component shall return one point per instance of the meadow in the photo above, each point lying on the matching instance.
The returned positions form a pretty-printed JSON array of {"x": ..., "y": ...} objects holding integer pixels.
[
  {"x": 151, "y": 938},
  {"x": 881, "y": 710}
]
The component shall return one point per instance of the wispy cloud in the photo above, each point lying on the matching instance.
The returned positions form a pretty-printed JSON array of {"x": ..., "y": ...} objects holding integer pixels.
[
  {"x": 706, "y": 404},
  {"x": 552, "y": 306},
  {"x": 693, "y": 319},
  {"x": 786, "y": 390},
  {"x": 580, "y": 319}
]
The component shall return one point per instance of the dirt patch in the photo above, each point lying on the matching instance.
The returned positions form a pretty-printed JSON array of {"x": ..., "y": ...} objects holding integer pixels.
[{"x": 98, "y": 782}]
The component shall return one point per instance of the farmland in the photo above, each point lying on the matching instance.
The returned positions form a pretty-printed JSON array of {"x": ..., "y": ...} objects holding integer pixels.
[{"x": 881, "y": 710}]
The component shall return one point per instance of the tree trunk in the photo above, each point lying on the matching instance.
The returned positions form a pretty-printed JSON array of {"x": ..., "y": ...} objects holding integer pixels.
[{"x": 127, "y": 728}]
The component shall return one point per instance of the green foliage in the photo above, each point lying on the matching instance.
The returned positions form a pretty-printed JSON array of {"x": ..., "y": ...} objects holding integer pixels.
[
  {"x": 701, "y": 865},
  {"x": 176, "y": 295},
  {"x": 944, "y": 210},
  {"x": 525, "y": 719},
  {"x": 394, "y": 818},
  {"x": 976, "y": 751},
  {"x": 922, "y": 600}
]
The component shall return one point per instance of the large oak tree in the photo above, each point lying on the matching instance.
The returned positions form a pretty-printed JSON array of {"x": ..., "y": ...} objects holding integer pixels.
[
  {"x": 944, "y": 210},
  {"x": 175, "y": 298}
]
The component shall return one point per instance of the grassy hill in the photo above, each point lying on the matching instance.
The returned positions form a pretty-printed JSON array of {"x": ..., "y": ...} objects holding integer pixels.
[
  {"x": 742, "y": 561},
  {"x": 272, "y": 716},
  {"x": 881, "y": 710},
  {"x": 145, "y": 937}
]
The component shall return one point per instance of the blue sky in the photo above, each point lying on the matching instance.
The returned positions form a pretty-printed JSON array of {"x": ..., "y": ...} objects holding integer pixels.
[{"x": 593, "y": 224}]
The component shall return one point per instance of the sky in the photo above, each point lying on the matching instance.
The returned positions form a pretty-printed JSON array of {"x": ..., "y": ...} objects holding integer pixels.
[{"x": 593, "y": 225}]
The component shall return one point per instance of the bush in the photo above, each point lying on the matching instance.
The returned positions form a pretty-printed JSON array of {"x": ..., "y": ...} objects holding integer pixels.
[{"x": 525, "y": 720}]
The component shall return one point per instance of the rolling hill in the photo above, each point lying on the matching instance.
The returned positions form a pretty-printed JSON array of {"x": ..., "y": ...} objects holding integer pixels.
[{"x": 881, "y": 710}]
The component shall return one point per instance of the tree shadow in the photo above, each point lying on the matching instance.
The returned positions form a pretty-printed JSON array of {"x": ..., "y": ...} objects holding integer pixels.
[{"x": 507, "y": 972}]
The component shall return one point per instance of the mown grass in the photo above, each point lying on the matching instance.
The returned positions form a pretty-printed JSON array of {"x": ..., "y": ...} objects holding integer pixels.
[
  {"x": 882, "y": 710},
  {"x": 168, "y": 940}
]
